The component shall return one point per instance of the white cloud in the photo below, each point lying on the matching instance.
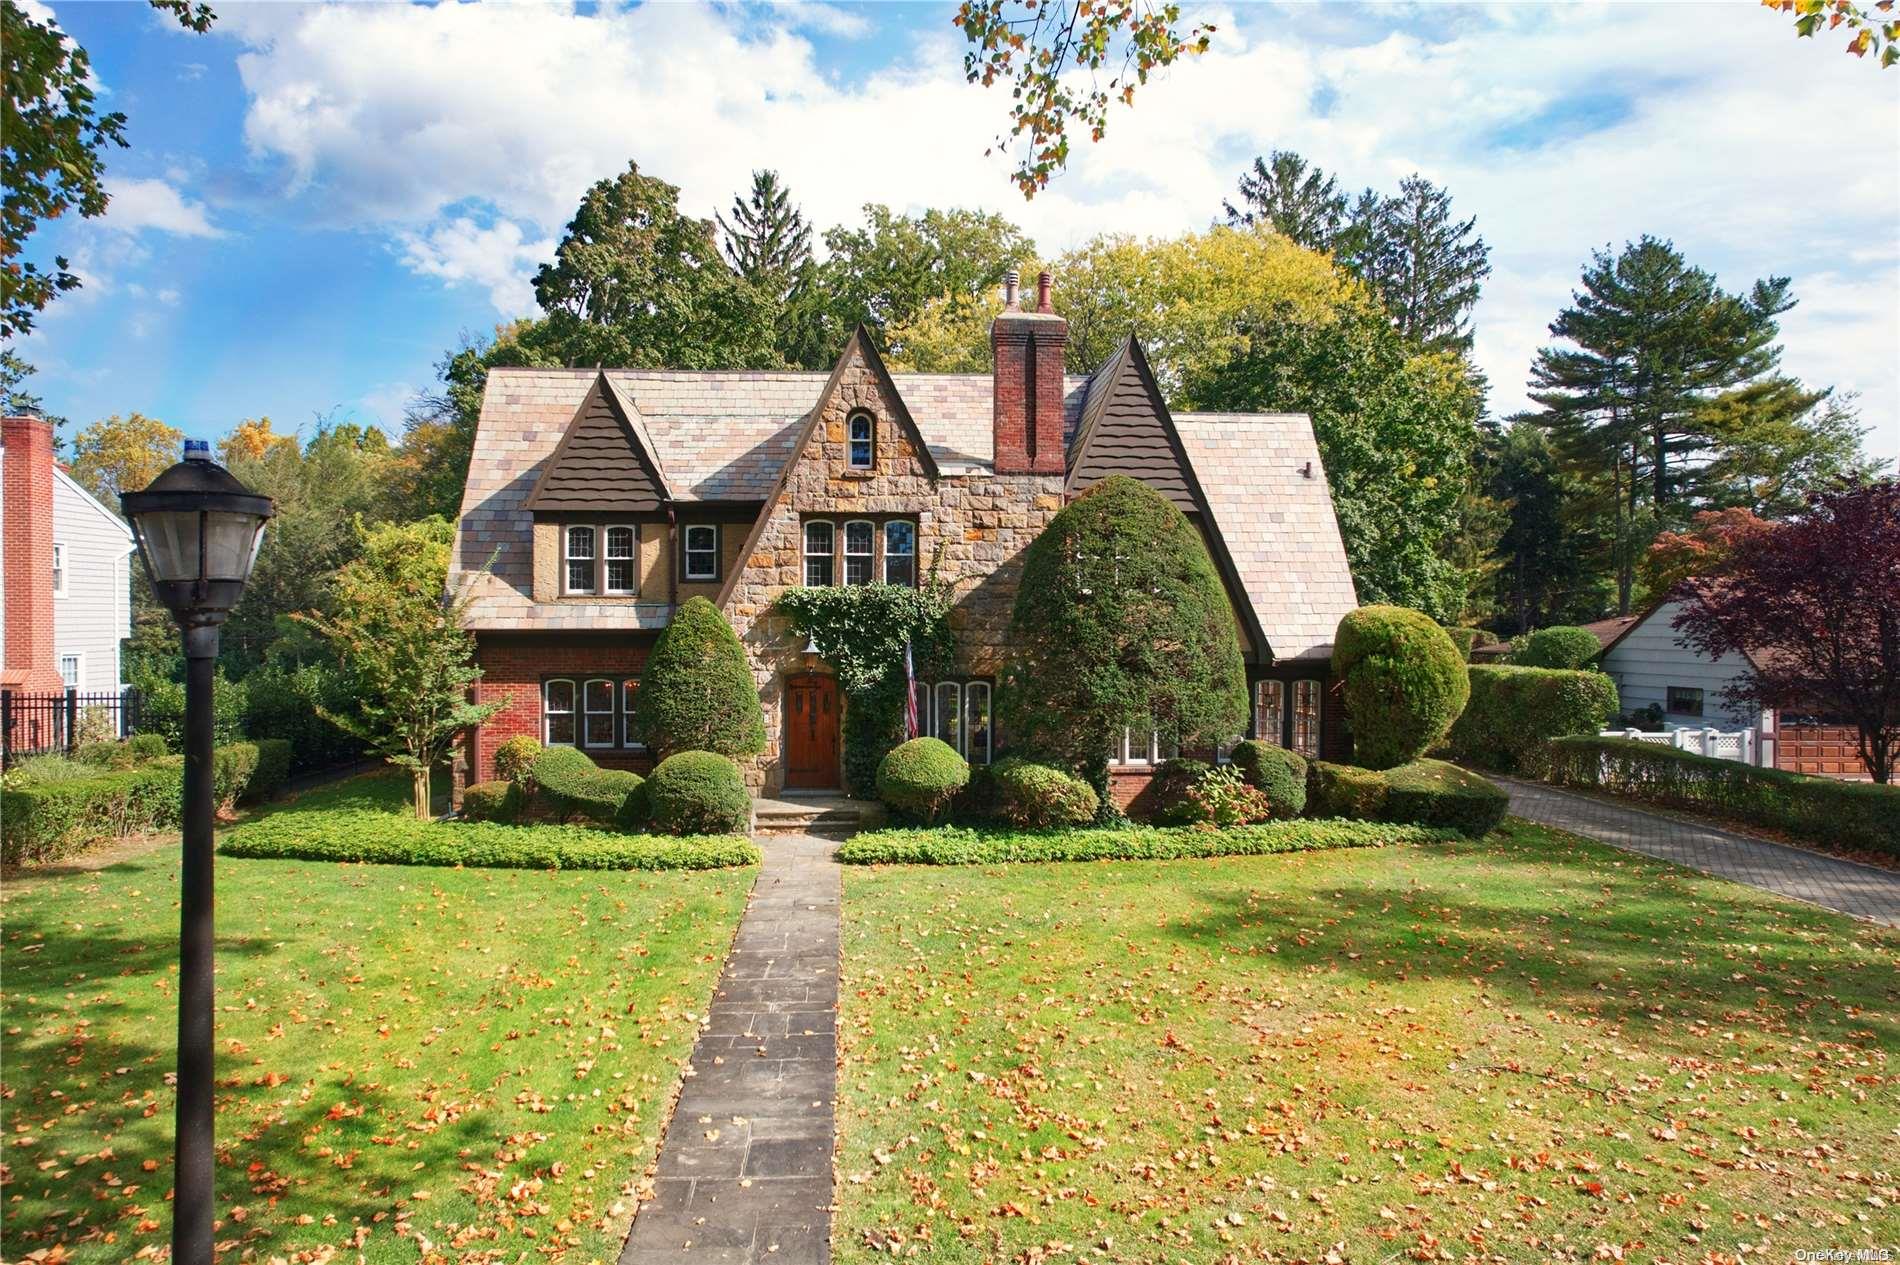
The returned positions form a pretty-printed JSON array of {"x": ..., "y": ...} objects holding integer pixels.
[
  {"x": 387, "y": 404},
  {"x": 496, "y": 256},
  {"x": 825, "y": 19},
  {"x": 1622, "y": 120},
  {"x": 142, "y": 204}
]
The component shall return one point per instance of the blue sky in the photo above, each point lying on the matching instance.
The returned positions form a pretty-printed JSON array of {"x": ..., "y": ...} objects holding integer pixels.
[{"x": 319, "y": 201}]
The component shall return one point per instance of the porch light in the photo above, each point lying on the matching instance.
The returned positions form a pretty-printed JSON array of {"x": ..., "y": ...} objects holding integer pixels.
[{"x": 812, "y": 655}]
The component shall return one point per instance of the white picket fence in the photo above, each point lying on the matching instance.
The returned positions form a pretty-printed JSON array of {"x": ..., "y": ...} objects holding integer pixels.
[{"x": 1739, "y": 745}]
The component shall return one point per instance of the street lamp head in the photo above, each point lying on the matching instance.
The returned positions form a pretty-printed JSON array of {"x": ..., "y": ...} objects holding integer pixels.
[{"x": 198, "y": 530}]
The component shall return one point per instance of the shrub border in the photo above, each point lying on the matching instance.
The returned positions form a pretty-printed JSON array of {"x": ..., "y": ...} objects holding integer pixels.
[{"x": 962, "y": 845}]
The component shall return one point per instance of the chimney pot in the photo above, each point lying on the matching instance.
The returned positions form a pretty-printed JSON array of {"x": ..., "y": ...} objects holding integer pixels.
[
  {"x": 1011, "y": 280},
  {"x": 1044, "y": 283}
]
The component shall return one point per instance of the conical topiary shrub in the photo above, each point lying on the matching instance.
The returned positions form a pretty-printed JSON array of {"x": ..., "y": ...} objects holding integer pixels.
[{"x": 696, "y": 691}]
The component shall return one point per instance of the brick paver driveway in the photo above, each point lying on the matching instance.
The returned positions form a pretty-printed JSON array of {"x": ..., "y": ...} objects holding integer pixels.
[{"x": 1860, "y": 891}]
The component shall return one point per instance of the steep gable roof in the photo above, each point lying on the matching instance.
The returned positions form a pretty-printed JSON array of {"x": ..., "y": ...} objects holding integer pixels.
[
  {"x": 1126, "y": 429},
  {"x": 605, "y": 461}
]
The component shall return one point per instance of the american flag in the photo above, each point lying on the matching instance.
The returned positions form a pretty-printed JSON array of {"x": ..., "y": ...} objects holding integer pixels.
[{"x": 910, "y": 695}]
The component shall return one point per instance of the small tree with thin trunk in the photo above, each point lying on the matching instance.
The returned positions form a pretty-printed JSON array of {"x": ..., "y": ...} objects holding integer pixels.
[
  {"x": 1813, "y": 604},
  {"x": 406, "y": 658}
]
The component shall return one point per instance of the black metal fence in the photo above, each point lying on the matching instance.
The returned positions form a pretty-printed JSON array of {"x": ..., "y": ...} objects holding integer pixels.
[{"x": 44, "y": 724}]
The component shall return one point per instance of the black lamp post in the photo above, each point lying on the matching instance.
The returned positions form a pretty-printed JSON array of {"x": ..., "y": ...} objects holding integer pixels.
[{"x": 198, "y": 530}]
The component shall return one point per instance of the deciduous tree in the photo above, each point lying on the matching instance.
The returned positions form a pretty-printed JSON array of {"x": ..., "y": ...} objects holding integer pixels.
[
  {"x": 122, "y": 454},
  {"x": 1814, "y": 604},
  {"x": 405, "y": 655},
  {"x": 1872, "y": 28}
]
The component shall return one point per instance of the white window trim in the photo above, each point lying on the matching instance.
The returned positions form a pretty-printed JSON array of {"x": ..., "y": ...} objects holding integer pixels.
[
  {"x": 844, "y": 572},
  {"x": 936, "y": 713},
  {"x": 59, "y": 568},
  {"x": 850, "y": 442},
  {"x": 79, "y": 671},
  {"x": 687, "y": 551},
  {"x": 888, "y": 555},
  {"x": 568, "y": 559},
  {"x": 806, "y": 553},
  {"x": 989, "y": 720},
  {"x": 930, "y": 714},
  {"x": 606, "y": 585},
  {"x": 613, "y": 712},
  {"x": 548, "y": 712},
  {"x": 626, "y": 713}
]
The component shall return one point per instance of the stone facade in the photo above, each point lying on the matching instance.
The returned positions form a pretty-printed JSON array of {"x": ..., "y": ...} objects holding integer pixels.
[{"x": 971, "y": 533}]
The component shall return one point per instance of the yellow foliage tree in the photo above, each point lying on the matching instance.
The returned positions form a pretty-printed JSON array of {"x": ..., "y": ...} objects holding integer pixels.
[
  {"x": 123, "y": 454},
  {"x": 252, "y": 440}
]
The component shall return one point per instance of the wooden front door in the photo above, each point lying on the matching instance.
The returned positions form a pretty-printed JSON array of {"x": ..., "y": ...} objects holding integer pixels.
[{"x": 811, "y": 732}]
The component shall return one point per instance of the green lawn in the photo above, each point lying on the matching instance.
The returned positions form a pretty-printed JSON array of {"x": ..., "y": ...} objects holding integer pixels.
[
  {"x": 1526, "y": 1049},
  {"x": 429, "y": 1064}
]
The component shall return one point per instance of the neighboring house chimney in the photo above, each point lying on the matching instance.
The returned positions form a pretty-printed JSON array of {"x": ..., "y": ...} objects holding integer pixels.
[
  {"x": 1030, "y": 350},
  {"x": 26, "y": 553}
]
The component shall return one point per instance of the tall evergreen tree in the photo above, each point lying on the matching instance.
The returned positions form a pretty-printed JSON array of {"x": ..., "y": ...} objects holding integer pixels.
[
  {"x": 1653, "y": 342},
  {"x": 767, "y": 238},
  {"x": 1542, "y": 577},
  {"x": 1295, "y": 199},
  {"x": 1427, "y": 266}
]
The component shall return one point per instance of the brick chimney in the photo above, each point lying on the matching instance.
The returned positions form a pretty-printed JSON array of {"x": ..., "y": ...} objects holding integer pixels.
[
  {"x": 1030, "y": 350},
  {"x": 26, "y": 554}
]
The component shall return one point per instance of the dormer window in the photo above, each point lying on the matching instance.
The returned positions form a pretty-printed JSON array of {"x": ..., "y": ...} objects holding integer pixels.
[
  {"x": 580, "y": 555},
  {"x": 622, "y": 546},
  {"x": 861, "y": 432}
]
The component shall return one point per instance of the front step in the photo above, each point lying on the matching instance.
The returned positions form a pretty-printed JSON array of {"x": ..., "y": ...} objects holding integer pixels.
[{"x": 783, "y": 817}]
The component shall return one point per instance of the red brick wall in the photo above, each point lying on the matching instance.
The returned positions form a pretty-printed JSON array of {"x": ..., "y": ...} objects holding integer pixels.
[
  {"x": 1031, "y": 357},
  {"x": 512, "y": 671},
  {"x": 27, "y": 561}
]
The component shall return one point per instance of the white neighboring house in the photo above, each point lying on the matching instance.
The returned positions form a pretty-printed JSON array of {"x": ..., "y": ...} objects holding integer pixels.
[
  {"x": 92, "y": 588},
  {"x": 1651, "y": 666}
]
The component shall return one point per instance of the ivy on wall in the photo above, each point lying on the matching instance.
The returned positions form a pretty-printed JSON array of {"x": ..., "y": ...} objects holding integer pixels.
[{"x": 861, "y": 631}]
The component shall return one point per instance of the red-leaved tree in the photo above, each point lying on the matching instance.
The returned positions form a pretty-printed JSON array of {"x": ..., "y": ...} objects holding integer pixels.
[{"x": 1813, "y": 603}]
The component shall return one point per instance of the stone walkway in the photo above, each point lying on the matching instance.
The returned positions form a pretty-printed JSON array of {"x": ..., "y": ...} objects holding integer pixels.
[
  {"x": 1860, "y": 891},
  {"x": 745, "y": 1168}
]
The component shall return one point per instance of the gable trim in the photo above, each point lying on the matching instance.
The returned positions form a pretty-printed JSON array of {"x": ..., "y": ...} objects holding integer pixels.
[
  {"x": 860, "y": 341},
  {"x": 638, "y": 442},
  {"x": 60, "y": 476}
]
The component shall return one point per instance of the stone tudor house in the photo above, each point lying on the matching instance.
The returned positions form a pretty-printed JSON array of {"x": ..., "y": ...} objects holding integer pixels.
[{"x": 599, "y": 500}]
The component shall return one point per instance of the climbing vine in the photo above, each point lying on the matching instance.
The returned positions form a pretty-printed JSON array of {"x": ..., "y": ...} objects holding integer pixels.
[{"x": 861, "y": 631}]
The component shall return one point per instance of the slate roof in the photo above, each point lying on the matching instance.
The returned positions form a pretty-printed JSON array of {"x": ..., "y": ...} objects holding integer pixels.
[
  {"x": 1278, "y": 523},
  {"x": 725, "y": 436}
]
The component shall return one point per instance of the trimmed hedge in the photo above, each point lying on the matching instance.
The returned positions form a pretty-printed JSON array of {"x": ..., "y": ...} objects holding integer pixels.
[
  {"x": 920, "y": 777},
  {"x": 49, "y": 820},
  {"x": 1433, "y": 793},
  {"x": 1037, "y": 797},
  {"x": 273, "y": 770},
  {"x": 1862, "y": 815},
  {"x": 560, "y": 777},
  {"x": 959, "y": 845},
  {"x": 365, "y": 835},
  {"x": 515, "y": 757},
  {"x": 1344, "y": 790},
  {"x": 1559, "y": 646},
  {"x": 699, "y": 793},
  {"x": 1403, "y": 681},
  {"x": 492, "y": 801},
  {"x": 1466, "y": 639},
  {"x": 1276, "y": 772},
  {"x": 1514, "y": 713},
  {"x": 636, "y": 810}
]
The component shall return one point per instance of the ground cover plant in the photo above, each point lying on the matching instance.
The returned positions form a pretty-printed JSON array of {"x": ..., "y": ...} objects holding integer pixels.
[
  {"x": 357, "y": 825},
  {"x": 964, "y": 845},
  {"x": 1526, "y": 1048},
  {"x": 437, "y": 1064}
]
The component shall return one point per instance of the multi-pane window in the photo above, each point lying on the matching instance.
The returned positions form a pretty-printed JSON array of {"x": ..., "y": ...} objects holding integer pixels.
[
  {"x": 557, "y": 713},
  {"x": 623, "y": 547},
  {"x": 900, "y": 552},
  {"x": 821, "y": 544},
  {"x": 580, "y": 559},
  {"x": 958, "y": 712},
  {"x": 863, "y": 440},
  {"x": 860, "y": 540},
  {"x": 1139, "y": 747},
  {"x": 1306, "y": 717},
  {"x": 69, "y": 671},
  {"x": 594, "y": 712},
  {"x": 1684, "y": 701},
  {"x": 702, "y": 552},
  {"x": 1269, "y": 711},
  {"x": 59, "y": 569}
]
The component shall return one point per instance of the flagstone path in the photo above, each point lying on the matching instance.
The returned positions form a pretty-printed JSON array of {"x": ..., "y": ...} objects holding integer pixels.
[{"x": 745, "y": 1167}]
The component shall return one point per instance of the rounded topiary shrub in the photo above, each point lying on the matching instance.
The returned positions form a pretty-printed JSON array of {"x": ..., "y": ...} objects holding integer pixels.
[
  {"x": 919, "y": 778},
  {"x": 696, "y": 691},
  {"x": 599, "y": 795},
  {"x": 636, "y": 810},
  {"x": 1403, "y": 679},
  {"x": 1036, "y": 796},
  {"x": 1433, "y": 793},
  {"x": 1559, "y": 646},
  {"x": 558, "y": 776},
  {"x": 515, "y": 757},
  {"x": 491, "y": 801},
  {"x": 1167, "y": 793},
  {"x": 1275, "y": 772},
  {"x": 698, "y": 793},
  {"x": 1344, "y": 790},
  {"x": 1466, "y": 639}
]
